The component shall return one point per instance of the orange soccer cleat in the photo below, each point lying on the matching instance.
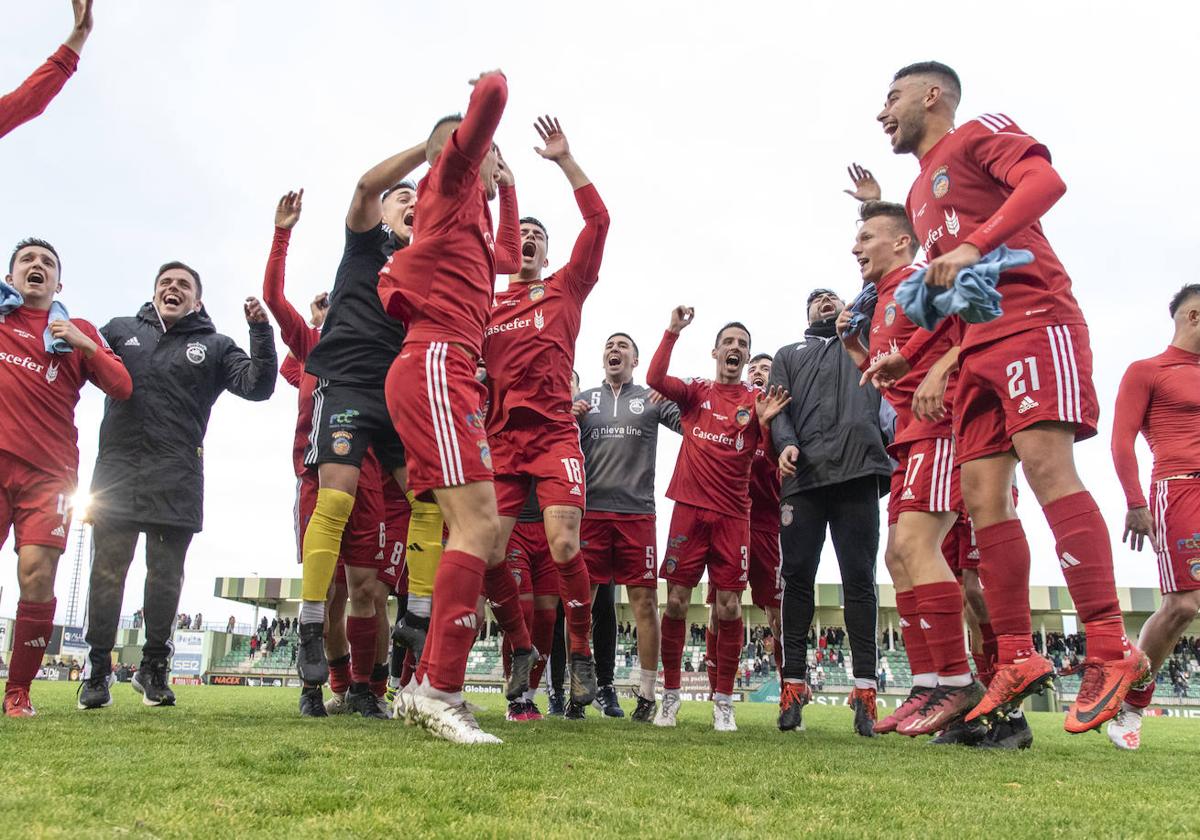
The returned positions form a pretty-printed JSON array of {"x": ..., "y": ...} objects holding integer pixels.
[
  {"x": 1011, "y": 684},
  {"x": 1104, "y": 685}
]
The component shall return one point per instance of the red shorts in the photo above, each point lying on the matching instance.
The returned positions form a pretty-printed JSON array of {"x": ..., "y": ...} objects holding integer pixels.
[
  {"x": 1175, "y": 509},
  {"x": 925, "y": 479},
  {"x": 393, "y": 571},
  {"x": 766, "y": 586},
  {"x": 364, "y": 537},
  {"x": 34, "y": 503},
  {"x": 1041, "y": 374},
  {"x": 436, "y": 405},
  {"x": 621, "y": 548},
  {"x": 959, "y": 546},
  {"x": 529, "y": 560},
  {"x": 702, "y": 539},
  {"x": 548, "y": 452}
]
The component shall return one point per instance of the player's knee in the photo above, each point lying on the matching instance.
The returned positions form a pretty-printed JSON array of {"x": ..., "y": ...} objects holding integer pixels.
[
  {"x": 564, "y": 547},
  {"x": 1180, "y": 608},
  {"x": 676, "y": 607},
  {"x": 36, "y": 580}
]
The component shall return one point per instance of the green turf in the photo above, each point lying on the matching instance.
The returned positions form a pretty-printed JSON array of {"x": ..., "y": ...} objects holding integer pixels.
[{"x": 238, "y": 762}]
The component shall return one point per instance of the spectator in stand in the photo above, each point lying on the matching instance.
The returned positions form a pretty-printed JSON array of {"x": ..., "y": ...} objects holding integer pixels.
[
  {"x": 232, "y": 622},
  {"x": 198, "y": 624},
  {"x": 882, "y": 678}
]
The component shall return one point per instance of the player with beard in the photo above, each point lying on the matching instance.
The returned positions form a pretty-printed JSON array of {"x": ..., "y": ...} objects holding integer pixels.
[
  {"x": 442, "y": 289},
  {"x": 1160, "y": 397},
  {"x": 725, "y": 421},
  {"x": 45, "y": 359},
  {"x": 36, "y": 92},
  {"x": 529, "y": 348},
  {"x": 349, "y": 415},
  {"x": 765, "y": 583},
  {"x": 1025, "y": 390}
]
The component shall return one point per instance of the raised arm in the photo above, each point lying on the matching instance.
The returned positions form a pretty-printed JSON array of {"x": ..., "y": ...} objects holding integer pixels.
[
  {"x": 292, "y": 326},
  {"x": 252, "y": 377},
  {"x": 657, "y": 377},
  {"x": 508, "y": 232},
  {"x": 473, "y": 137},
  {"x": 366, "y": 207}
]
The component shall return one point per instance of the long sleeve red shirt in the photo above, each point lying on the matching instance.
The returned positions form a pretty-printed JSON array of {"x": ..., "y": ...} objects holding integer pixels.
[{"x": 35, "y": 93}]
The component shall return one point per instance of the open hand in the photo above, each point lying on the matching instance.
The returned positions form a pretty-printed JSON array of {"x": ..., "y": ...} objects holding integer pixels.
[
  {"x": 866, "y": 188},
  {"x": 769, "y": 403},
  {"x": 287, "y": 211},
  {"x": 885, "y": 371},
  {"x": 552, "y": 135},
  {"x": 1139, "y": 527}
]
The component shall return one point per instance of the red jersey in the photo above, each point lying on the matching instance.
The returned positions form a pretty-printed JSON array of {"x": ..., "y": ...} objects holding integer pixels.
[
  {"x": 441, "y": 286},
  {"x": 40, "y": 390},
  {"x": 1160, "y": 397},
  {"x": 961, "y": 185},
  {"x": 764, "y": 491},
  {"x": 720, "y": 434},
  {"x": 529, "y": 344},
  {"x": 35, "y": 93}
]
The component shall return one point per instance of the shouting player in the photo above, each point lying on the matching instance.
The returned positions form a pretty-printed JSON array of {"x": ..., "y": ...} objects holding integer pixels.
[
  {"x": 35, "y": 93},
  {"x": 529, "y": 348},
  {"x": 442, "y": 289},
  {"x": 725, "y": 421},
  {"x": 45, "y": 358},
  {"x": 1160, "y": 397},
  {"x": 1025, "y": 389}
]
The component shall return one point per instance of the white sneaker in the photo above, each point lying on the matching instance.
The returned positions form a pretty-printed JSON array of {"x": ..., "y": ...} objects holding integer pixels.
[
  {"x": 1125, "y": 730},
  {"x": 668, "y": 710},
  {"x": 723, "y": 716},
  {"x": 402, "y": 705},
  {"x": 454, "y": 723},
  {"x": 337, "y": 705}
]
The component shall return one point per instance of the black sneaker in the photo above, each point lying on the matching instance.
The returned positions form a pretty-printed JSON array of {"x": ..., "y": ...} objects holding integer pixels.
[
  {"x": 555, "y": 705},
  {"x": 606, "y": 701},
  {"x": 583, "y": 679},
  {"x": 150, "y": 681},
  {"x": 792, "y": 700},
  {"x": 575, "y": 711},
  {"x": 311, "y": 664},
  {"x": 1011, "y": 733},
  {"x": 361, "y": 701},
  {"x": 961, "y": 732},
  {"x": 410, "y": 632},
  {"x": 94, "y": 693},
  {"x": 518, "y": 674},
  {"x": 312, "y": 702},
  {"x": 644, "y": 713}
]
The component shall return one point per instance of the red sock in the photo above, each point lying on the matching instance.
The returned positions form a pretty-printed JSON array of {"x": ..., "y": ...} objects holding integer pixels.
[
  {"x": 941, "y": 605},
  {"x": 361, "y": 633},
  {"x": 526, "y": 605},
  {"x": 1139, "y": 698},
  {"x": 453, "y": 624},
  {"x": 505, "y": 598},
  {"x": 31, "y": 635},
  {"x": 379, "y": 677},
  {"x": 543, "y": 640},
  {"x": 920, "y": 660},
  {"x": 1004, "y": 575},
  {"x": 408, "y": 668},
  {"x": 339, "y": 674},
  {"x": 730, "y": 637},
  {"x": 987, "y": 667},
  {"x": 575, "y": 589},
  {"x": 673, "y": 630},
  {"x": 1085, "y": 554}
]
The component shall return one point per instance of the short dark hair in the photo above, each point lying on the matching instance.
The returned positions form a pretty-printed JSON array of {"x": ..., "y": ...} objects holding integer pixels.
[
  {"x": 895, "y": 212},
  {"x": 762, "y": 356},
  {"x": 33, "y": 242},
  {"x": 1181, "y": 297},
  {"x": 402, "y": 185},
  {"x": 636, "y": 352},
  {"x": 449, "y": 118},
  {"x": 933, "y": 68},
  {"x": 732, "y": 325},
  {"x": 531, "y": 220},
  {"x": 167, "y": 266}
]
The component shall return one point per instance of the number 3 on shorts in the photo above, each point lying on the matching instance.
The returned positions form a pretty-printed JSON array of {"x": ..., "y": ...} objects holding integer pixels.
[{"x": 574, "y": 470}]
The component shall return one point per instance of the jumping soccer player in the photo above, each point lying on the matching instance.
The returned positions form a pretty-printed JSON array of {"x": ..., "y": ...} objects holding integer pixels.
[
  {"x": 618, "y": 432},
  {"x": 45, "y": 358},
  {"x": 1160, "y": 397},
  {"x": 35, "y": 93},
  {"x": 442, "y": 289},
  {"x": 1025, "y": 390},
  {"x": 765, "y": 557},
  {"x": 726, "y": 420},
  {"x": 529, "y": 348}
]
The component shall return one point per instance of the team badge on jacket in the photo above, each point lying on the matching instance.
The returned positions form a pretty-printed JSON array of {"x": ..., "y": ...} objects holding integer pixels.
[{"x": 196, "y": 352}]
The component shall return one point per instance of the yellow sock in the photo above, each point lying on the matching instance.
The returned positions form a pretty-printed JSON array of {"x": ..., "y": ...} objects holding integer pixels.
[
  {"x": 323, "y": 540},
  {"x": 424, "y": 545}
]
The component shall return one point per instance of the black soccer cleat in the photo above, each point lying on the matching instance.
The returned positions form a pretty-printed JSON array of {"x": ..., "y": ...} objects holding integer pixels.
[
  {"x": 361, "y": 701},
  {"x": 606, "y": 701},
  {"x": 312, "y": 702},
  {"x": 575, "y": 711},
  {"x": 644, "y": 713},
  {"x": 962, "y": 733},
  {"x": 518, "y": 673},
  {"x": 583, "y": 679},
  {"x": 410, "y": 632},
  {"x": 150, "y": 681},
  {"x": 311, "y": 664},
  {"x": 94, "y": 693},
  {"x": 792, "y": 700},
  {"x": 1011, "y": 733},
  {"x": 555, "y": 704}
]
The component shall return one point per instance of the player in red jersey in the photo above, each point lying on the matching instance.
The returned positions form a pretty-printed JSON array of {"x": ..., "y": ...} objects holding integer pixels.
[
  {"x": 441, "y": 288},
  {"x": 924, "y": 500},
  {"x": 35, "y": 93},
  {"x": 529, "y": 349},
  {"x": 1160, "y": 397},
  {"x": 45, "y": 358},
  {"x": 724, "y": 421},
  {"x": 1024, "y": 391},
  {"x": 765, "y": 582}
]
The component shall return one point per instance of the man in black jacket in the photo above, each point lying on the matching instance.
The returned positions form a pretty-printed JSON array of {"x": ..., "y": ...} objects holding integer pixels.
[
  {"x": 149, "y": 475},
  {"x": 834, "y": 469}
]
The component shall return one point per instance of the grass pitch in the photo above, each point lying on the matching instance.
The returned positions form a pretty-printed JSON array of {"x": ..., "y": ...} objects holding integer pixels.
[{"x": 239, "y": 762}]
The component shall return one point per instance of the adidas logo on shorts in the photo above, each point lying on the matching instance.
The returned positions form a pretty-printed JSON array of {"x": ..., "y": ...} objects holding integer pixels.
[
  {"x": 1027, "y": 404},
  {"x": 58, "y": 532},
  {"x": 575, "y": 490},
  {"x": 907, "y": 495},
  {"x": 471, "y": 622}
]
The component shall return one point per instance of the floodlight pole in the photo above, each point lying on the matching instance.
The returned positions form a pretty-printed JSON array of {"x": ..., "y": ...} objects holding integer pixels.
[{"x": 76, "y": 576}]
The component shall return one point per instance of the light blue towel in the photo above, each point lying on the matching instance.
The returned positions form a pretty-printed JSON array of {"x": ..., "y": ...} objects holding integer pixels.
[
  {"x": 973, "y": 297},
  {"x": 863, "y": 308},
  {"x": 10, "y": 299}
]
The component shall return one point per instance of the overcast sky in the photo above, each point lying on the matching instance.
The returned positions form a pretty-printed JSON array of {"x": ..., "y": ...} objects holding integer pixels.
[{"x": 717, "y": 134}]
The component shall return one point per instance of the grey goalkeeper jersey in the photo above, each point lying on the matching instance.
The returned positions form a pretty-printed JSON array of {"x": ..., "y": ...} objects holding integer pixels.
[{"x": 619, "y": 438}]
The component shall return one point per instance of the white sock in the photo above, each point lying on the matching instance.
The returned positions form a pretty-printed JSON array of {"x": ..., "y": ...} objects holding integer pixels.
[
  {"x": 925, "y": 680},
  {"x": 793, "y": 681},
  {"x": 647, "y": 681},
  {"x": 529, "y": 695},
  {"x": 312, "y": 612},
  {"x": 420, "y": 605},
  {"x": 861, "y": 683},
  {"x": 1016, "y": 714},
  {"x": 453, "y": 698},
  {"x": 957, "y": 681},
  {"x": 718, "y": 697}
]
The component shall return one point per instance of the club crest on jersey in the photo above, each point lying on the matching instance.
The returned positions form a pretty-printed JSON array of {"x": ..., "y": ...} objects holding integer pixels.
[
  {"x": 742, "y": 416},
  {"x": 786, "y": 514},
  {"x": 485, "y": 453},
  {"x": 341, "y": 443},
  {"x": 52, "y": 372},
  {"x": 1194, "y": 568},
  {"x": 475, "y": 420},
  {"x": 940, "y": 181},
  {"x": 536, "y": 293},
  {"x": 669, "y": 565},
  {"x": 889, "y": 314},
  {"x": 196, "y": 352},
  {"x": 637, "y": 405},
  {"x": 1192, "y": 544}
]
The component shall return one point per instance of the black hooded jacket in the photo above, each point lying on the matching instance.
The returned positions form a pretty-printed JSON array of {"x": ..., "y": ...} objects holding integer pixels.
[{"x": 150, "y": 468}]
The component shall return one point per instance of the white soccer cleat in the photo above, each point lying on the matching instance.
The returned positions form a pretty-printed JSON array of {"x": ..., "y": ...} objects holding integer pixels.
[
  {"x": 337, "y": 705},
  {"x": 668, "y": 710},
  {"x": 402, "y": 705},
  {"x": 451, "y": 722},
  {"x": 1125, "y": 730},
  {"x": 723, "y": 716}
]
